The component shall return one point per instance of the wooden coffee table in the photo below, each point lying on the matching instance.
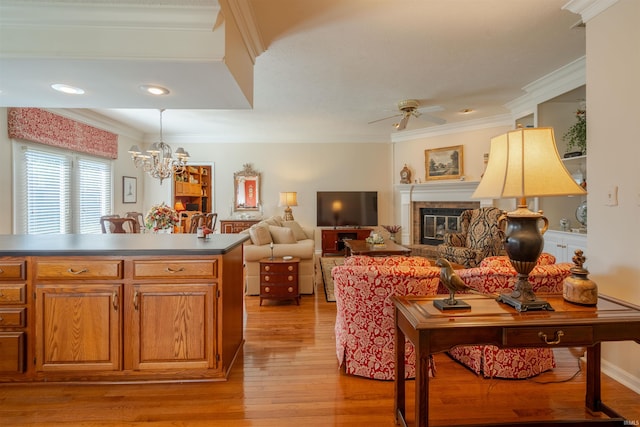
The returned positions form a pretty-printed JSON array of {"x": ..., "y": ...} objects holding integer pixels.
[{"x": 361, "y": 247}]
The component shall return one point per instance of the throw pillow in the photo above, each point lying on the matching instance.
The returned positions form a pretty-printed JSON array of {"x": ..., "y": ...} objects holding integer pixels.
[
  {"x": 260, "y": 234},
  {"x": 282, "y": 234},
  {"x": 298, "y": 232}
]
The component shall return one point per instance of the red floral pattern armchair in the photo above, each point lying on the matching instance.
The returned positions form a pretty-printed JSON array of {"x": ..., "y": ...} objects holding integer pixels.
[
  {"x": 496, "y": 275},
  {"x": 365, "y": 323}
]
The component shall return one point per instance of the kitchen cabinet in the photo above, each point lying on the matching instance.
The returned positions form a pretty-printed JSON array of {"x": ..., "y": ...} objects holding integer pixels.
[
  {"x": 172, "y": 314},
  {"x": 563, "y": 244}
]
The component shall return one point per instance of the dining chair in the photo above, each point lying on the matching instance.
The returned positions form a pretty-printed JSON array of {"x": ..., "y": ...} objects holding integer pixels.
[
  {"x": 110, "y": 224},
  {"x": 106, "y": 216},
  {"x": 197, "y": 220},
  {"x": 137, "y": 216},
  {"x": 212, "y": 219}
]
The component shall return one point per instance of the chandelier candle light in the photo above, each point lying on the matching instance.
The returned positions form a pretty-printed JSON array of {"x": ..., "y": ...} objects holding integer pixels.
[
  {"x": 525, "y": 163},
  {"x": 158, "y": 160}
]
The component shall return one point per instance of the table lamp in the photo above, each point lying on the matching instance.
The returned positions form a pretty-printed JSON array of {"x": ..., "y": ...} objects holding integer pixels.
[
  {"x": 525, "y": 163},
  {"x": 179, "y": 206},
  {"x": 288, "y": 199}
]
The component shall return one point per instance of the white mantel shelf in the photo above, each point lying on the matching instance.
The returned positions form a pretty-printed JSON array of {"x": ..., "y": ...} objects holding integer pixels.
[{"x": 441, "y": 191}]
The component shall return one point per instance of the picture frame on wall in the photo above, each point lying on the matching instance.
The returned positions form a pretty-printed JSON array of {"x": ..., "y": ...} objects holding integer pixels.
[
  {"x": 129, "y": 189},
  {"x": 444, "y": 163}
]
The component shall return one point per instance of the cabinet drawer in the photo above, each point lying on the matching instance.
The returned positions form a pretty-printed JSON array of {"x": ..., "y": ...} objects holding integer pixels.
[
  {"x": 565, "y": 335},
  {"x": 13, "y": 317},
  {"x": 11, "y": 351},
  {"x": 13, "y": 294},
  {"x": 12, "y": 270},
  {"x": 197, "y": 269},
  {"x": 79, "y": 269},
  {"x": 278, "y": 290},
  {"x": 280, "y": 268},
  {"x": 278, "y": 278}
]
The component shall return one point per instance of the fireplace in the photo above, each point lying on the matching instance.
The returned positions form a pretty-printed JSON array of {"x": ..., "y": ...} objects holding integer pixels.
[
  {"x": 436, "y": 222},
  {"x": 437, "y": 195}
]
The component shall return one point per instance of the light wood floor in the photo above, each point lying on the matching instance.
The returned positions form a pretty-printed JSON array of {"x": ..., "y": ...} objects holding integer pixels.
[{"x": 288, "y": 375}]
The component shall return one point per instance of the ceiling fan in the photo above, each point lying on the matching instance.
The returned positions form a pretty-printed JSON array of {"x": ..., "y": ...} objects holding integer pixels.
[{"x": 408, "y": 108}]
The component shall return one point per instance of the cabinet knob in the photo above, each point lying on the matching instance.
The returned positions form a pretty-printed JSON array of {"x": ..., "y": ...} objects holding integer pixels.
[
  {"x": 267, "y": 278},
  {"x": 290, "y": 268},
  {"x": 290, "y": 289},
  {"x": 267, "y": 289},
  {"x": 290, "y": 278},
  {"x": 267, "y": 268}
]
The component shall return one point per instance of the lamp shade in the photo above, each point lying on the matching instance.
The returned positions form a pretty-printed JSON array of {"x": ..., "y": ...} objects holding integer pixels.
[
  {"x": 179, "y": 206},
  {"x": 525, "y": 163},
  {"x": 289, "y": 198}
]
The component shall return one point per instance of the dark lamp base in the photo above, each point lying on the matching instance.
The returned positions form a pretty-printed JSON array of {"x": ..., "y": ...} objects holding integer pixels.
[{"x": 520, "y": 304}]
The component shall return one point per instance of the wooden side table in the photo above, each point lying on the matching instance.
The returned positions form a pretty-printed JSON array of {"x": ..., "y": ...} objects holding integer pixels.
[{"x": 279, "y": 279}]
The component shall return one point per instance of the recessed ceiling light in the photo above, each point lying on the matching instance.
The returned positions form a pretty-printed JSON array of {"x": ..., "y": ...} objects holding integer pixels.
[
  {"x": 466, "y": 111},
  {"x": 72, "y": 90},
  {"x": 154, "y": 90}
]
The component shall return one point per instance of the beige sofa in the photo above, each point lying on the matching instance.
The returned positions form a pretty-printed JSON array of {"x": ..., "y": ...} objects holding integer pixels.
[{"x": 289, "y": 238}]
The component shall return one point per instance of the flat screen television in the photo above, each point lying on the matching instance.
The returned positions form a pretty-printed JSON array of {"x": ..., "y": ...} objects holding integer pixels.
[{"x": 347, "y": 208}]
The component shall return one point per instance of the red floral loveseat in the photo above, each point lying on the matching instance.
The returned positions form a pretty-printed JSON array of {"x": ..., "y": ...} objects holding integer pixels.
[
  {"x": 365, "y": 323},
  {"x": 496, "y": 275}
]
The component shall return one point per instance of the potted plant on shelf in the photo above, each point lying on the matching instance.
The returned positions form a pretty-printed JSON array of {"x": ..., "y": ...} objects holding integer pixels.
[{"x": 576, "y": 136}]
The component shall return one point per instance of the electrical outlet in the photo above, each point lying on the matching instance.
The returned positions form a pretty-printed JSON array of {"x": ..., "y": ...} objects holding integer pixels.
[{"x": 612, "y": 196}]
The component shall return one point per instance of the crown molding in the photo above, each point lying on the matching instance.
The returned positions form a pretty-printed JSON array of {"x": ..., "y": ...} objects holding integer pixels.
[
  {"x": 242, "y": 13},
  {"x": 451, "y": 128},
  {"x": 588, "y": 9},
  {"x": 117, "y": 16},
  {"x": 556, "y": 83}
]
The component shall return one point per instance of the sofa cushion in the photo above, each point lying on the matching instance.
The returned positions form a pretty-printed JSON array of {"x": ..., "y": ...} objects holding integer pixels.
[
  {"x": 298, "y": 232},
  {"x": 260, "y": 234},
  {"x": 282, "y": 234}
]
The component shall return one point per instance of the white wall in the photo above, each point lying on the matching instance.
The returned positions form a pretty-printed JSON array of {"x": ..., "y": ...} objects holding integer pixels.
[
  {"x": 304, "y": 168},
  {"x": 613, "y": 67},
  {"x": 6, "y": 192}
]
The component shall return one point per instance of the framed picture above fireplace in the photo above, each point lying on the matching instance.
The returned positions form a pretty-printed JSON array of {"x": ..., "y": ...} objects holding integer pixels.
[{"x": 444, "y": 163}]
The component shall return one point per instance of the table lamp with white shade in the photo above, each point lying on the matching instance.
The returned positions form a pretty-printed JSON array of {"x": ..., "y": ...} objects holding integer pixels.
[{"x": 525, "y": 163}]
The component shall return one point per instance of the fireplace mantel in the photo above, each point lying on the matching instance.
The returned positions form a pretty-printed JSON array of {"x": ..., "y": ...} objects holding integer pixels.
[{"x": 449, "y": 191}]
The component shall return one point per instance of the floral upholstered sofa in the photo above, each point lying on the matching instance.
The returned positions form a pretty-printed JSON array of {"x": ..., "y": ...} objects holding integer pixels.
[
  {"x": 365, "y": 322},
  {"x": 496, "y": 275}
]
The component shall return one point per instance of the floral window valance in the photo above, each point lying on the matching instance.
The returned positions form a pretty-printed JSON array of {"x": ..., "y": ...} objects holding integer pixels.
[{"x": 36, "y": 125}]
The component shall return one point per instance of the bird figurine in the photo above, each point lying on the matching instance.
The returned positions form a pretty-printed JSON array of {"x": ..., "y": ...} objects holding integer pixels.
[{"x": 452, "y": 282}]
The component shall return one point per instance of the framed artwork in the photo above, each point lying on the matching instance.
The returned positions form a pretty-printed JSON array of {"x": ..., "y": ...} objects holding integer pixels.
[
  {"x": 129, "y": 189},
  {"x": 444, "y": 163}
]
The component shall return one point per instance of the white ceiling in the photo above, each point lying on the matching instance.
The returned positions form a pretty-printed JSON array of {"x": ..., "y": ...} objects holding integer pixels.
[{"x": 329, "y": 66}]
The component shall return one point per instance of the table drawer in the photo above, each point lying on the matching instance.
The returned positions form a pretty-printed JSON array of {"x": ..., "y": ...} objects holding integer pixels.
[
  {"x": 278, "y": 278},
  {"x": 279, "y": 268},
  {"x": 13, "y": 317},
  {"x": 79, "y": 269},
  {"x": 278, "y": 290},
  {"x": 13, "y": 294},
  {"x": 188, "y": 269},
  {"x": 12, "y": 270},
  {"x": 556, "y": 335}
]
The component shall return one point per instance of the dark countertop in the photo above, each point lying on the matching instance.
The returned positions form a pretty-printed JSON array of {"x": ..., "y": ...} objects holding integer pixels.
[{"x": 117, "y": 244}]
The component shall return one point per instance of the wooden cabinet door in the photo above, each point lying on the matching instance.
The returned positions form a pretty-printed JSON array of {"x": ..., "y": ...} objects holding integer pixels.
[
  {"x": 173, "y": 326},
  {"x": 78, "y": 327}
]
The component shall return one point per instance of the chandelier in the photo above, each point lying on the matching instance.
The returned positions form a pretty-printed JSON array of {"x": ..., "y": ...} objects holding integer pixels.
[{"x": 158, "y": 161}]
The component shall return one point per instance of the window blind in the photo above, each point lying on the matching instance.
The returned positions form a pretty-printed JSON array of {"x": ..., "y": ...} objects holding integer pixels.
[{"x": 58, "y": 192}]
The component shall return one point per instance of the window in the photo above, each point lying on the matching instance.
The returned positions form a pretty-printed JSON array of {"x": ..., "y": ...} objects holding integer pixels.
[{"x": 58, "y": 191}]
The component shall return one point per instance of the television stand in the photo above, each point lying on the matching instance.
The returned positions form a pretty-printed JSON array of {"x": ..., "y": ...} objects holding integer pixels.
[{"x": 333, "y": 239}]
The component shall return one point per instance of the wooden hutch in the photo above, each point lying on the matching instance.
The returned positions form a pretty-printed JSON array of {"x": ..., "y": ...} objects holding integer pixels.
[{"x": 193, "y": 188}]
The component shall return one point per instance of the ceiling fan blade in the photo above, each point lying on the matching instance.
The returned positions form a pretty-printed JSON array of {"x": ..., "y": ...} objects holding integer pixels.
[
  {"x": 385, "y": 118},
  {"x": 403, "y": 123}
]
